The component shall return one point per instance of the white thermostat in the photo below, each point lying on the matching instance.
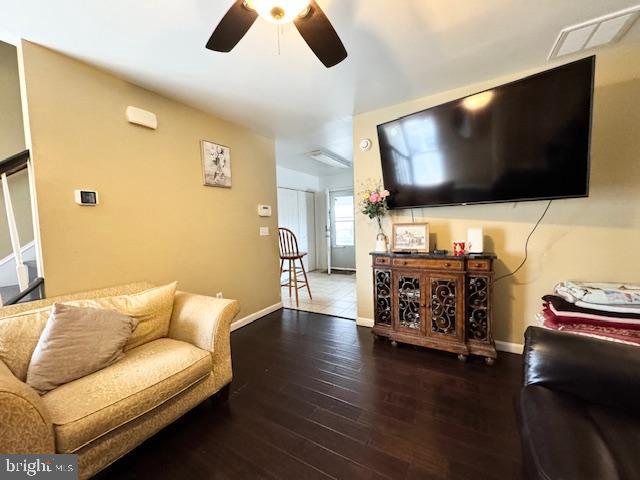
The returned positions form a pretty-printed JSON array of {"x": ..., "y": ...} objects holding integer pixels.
[
  {"x": 264, "y": 210},
  {"x": 86, "y": 197}
]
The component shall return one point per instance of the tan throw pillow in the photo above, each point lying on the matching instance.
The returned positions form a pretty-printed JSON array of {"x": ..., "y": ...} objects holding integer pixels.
[
  {"x": 77, "y": 342},
  {"x": 152, "y": 308}
]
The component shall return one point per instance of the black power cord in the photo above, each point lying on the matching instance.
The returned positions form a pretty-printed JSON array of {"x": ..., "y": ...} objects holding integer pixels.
[{"x": 526, "y": 245}]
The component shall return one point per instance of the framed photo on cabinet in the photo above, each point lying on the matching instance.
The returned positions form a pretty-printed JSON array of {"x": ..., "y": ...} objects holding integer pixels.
[{"x": 410, "y": 237}]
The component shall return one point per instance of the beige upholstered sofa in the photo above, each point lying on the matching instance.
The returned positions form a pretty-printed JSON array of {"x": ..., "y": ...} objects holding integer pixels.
[{"x": 106, "y": 414}]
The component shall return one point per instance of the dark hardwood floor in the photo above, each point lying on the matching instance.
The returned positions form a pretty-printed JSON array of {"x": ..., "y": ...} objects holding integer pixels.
[{"x": 314, "y": 397}]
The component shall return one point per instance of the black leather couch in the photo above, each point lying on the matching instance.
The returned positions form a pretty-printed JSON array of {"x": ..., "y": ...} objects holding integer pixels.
[{"x": 579, "y": 409}]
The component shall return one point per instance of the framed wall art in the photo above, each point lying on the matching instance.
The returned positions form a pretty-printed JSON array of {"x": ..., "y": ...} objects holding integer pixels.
[{"x": 216, "y": 164}]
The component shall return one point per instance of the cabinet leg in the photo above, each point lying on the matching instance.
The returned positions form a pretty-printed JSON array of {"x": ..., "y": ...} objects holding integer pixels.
[
  {"x": 489, "y": 361},
  {"x": 462, "y": 357},
  {"x": 394, "y": 343}
]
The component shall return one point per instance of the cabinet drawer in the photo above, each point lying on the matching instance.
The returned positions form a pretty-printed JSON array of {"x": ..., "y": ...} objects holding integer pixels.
[
  {"x": 479, "y": 265},
  {"x": 455, "y": 265},
  {"x": 381, "y": 261}
]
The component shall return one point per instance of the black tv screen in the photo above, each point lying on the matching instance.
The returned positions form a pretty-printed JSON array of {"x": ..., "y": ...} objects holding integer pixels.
[{"x": 525, "y": 140}]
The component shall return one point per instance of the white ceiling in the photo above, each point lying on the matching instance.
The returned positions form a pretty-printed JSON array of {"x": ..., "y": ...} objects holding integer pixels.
[{"x": 398, "y": 50}]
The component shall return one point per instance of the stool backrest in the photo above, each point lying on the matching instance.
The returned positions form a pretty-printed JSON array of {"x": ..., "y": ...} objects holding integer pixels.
[{"x": 288, "y": 242}]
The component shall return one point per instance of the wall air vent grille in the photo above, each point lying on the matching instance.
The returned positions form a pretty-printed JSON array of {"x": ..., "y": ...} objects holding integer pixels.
[{"x": 594, "y": 33}]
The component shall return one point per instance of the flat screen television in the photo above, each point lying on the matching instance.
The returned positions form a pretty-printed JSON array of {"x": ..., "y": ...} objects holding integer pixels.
[{"x": 525, "y": 140}]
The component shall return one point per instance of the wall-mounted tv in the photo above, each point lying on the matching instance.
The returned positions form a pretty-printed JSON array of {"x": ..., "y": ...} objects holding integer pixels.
[{"x": 525, "y": 140}]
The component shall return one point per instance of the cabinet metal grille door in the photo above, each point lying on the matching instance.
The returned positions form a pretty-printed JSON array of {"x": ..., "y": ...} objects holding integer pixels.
[
  {"x": 383, "y": 297},
  {"x": 409, "y": 302},
  {"x": 478, "y": 308},
  {"x": 443, "y": 306}
]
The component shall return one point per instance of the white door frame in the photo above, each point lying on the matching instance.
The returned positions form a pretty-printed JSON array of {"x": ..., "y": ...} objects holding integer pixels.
[{"x": 328, "y": 226}]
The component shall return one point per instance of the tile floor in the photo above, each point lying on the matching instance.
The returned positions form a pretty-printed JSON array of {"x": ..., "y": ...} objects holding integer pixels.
[{"x": 333, "y": 294}]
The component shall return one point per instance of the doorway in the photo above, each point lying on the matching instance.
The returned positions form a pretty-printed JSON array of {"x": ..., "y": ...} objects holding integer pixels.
[
  {"x": 330, "y": 188},
  {"x": 20, "y": 266},
  {"x": 341, "y": 251}
]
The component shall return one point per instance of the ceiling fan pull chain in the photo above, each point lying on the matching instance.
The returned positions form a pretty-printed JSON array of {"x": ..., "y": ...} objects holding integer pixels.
[{"x": 279, "y": 31}]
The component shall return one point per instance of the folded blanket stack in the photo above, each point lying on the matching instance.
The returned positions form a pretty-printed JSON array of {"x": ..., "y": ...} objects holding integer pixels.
[{"x": 604, "y": 310}]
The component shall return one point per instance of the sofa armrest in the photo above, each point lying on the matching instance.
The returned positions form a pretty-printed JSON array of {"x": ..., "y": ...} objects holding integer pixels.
[
  {"x": 598, "y": 371},
  {"x": 206, "y": 323},
  {"x": 25, "y": 425}
]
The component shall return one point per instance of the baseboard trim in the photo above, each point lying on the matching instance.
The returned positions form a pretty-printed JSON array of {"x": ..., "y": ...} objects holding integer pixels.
[
  {"x": 509, "y": 347},
  {"x": 364, "y": 322},
  {"x": 500, "y": 345},
  {"x": 243, "y": 322}
]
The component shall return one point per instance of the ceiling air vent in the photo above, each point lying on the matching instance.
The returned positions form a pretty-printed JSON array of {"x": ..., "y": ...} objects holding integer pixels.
[
  {"x": 329, "y": 158},
  {"x": 593, "y": 33}
]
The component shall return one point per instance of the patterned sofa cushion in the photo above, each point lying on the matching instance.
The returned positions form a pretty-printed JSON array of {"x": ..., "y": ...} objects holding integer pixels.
[
  {"x": 20, "y": 331},
  {"x": 126, "y": 289},
  {"x": 151, "y": 308},
  {"x": 19, "y": 335},
  {"x": 146, "y": 377}
]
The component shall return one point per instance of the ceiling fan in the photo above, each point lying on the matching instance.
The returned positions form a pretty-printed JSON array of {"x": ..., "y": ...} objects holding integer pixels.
[{"x": 306, "y": 15}]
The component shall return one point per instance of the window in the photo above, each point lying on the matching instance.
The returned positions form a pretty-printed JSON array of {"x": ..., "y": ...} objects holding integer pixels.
[{"x": 343, "y": 220}]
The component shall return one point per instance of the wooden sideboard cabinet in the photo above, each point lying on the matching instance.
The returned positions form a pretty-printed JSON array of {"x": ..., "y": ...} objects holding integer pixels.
[{"x": 441, "y": 302}]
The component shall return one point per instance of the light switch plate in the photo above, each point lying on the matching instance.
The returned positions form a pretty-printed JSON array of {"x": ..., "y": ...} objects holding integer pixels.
[{"x": 264, "y": 231}]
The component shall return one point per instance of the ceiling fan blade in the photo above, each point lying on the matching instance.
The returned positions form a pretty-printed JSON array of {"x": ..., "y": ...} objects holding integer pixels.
[
  {"x": 317, "y": 31},
  {"x": 233, "y": 26}
]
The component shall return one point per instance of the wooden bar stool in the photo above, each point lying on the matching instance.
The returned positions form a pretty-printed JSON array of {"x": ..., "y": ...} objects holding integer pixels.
[{"x": 289, "y": 252}]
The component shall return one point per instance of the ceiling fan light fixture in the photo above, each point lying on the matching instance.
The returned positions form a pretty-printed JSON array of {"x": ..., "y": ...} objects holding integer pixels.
[{"x": 279, "y": 11}]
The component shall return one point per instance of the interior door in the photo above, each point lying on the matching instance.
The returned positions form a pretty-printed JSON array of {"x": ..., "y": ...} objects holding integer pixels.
[
  {"x": 307, "y": 228},
  {"x": 342, "y": 230},
  {"x": 296, "y": 211}
]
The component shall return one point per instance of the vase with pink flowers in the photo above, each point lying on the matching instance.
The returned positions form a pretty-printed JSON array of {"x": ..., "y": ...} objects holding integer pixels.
[{"x": 374, "y": 205}]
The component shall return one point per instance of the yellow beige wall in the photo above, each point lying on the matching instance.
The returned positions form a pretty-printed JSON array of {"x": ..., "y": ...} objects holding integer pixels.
[
  {"x": 592, "y": 239},
  {"x": 12, "y": 142},
  {"x": 156, "y": 221}
]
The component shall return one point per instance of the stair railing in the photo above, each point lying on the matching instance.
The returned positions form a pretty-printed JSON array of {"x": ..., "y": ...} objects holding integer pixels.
[
  {"x": 9, "y": 166},
  {"x": 36, "y": 286}
]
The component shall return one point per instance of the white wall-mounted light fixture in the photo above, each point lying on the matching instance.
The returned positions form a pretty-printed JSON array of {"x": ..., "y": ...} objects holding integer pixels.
[
  {"x": 141, "y": 117},
  {"x": 329, "y": 158},
  {"x": 594, "y": 33}
]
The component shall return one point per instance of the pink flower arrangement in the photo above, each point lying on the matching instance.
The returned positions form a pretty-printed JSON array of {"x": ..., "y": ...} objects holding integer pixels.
[
  {"x": 376, "y": 197},
  {"x": 374, "y": 202}
]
